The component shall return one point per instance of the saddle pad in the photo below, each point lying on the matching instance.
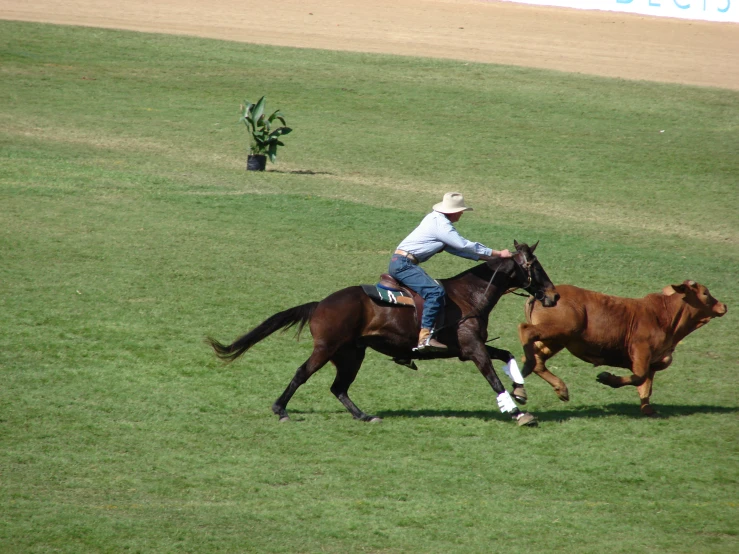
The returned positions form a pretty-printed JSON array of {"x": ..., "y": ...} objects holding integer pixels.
[{"x": 388, "y": 296}]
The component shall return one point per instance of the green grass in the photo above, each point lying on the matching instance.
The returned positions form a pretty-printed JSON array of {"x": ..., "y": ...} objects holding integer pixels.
[{"x": 129, "y": 230}]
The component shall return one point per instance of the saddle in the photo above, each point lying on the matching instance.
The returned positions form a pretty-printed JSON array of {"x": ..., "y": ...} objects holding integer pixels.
[
  {"x": 389, "y": 291},
  {"x": 388, "y": 282}
]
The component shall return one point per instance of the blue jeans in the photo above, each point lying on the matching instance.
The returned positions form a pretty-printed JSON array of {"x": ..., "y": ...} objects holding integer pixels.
[{"x": 417, "y": 279}]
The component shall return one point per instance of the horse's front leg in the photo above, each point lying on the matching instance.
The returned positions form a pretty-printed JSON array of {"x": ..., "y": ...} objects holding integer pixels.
[
  {"x": 478, "y": 353},
  {"x": 511, "y": 370}
]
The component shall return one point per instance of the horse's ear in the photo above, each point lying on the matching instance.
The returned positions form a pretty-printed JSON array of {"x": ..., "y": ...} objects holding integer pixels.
[
  {"x": 534, "y": 246},
  {"x": 515, "y": 243}
]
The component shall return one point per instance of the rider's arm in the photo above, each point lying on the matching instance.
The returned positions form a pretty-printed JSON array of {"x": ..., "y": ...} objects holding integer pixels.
[
  {"x": 458, "y": 245},
  {"x": 497, "y": 254},
  {"x": 462, "y": 253}
]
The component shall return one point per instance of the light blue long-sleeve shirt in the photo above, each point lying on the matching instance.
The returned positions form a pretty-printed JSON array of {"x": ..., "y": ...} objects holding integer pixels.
[{"x": 436, "y": 233}]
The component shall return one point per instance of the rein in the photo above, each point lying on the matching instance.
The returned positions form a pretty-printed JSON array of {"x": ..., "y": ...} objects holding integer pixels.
[
  {"x": 478, "y": 314},
  {"x": 490, "y": 282},
  {"x": 477, "y": 311},
  {"x": 526, "y": 266},
  {"x": 536, "y": 295},
  {"x": 513, "y": 291}
]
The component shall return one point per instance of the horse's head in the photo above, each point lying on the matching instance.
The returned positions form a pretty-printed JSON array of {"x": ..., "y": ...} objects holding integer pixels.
[{"x": 534, "y": 279}]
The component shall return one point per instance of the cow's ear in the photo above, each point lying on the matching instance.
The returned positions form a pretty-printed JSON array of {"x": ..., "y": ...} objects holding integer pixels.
[{"x": 669, "y": 290}]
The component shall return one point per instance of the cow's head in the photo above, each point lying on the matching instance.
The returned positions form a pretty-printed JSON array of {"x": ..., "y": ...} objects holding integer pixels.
[{"x": 704, "y": 307}]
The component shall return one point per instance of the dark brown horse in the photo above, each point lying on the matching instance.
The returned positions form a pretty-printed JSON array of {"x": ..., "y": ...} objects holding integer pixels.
[{"x": 348, "y": 321}]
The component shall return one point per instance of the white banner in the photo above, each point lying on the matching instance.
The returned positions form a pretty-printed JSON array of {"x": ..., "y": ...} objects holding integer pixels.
[{"x": 726, "y": 11}]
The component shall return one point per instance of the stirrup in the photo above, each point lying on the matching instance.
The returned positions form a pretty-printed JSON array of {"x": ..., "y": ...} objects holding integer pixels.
[{"x": 428, "y": 346}]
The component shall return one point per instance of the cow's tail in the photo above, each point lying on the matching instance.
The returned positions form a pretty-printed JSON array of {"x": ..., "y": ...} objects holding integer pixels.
[{"x": 299, "y": 315}]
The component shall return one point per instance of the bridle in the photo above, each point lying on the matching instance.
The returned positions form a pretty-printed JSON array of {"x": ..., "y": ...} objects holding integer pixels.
[{"x": 526, "y": 266}]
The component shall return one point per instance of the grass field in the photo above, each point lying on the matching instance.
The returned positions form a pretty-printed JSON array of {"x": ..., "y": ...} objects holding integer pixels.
[{"x": 129, "y": 230}]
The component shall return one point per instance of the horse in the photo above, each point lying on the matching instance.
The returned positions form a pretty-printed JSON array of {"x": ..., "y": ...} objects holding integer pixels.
[{"x": 348, "y": 321}]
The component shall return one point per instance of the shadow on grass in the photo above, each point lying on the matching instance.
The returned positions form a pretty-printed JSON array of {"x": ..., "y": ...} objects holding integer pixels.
[
  {"x": 632, "y": 410},
  {"x": 300, "y": 172},
  {"x": 591, "y": 412},
  {"x": 486, "y": 415}
]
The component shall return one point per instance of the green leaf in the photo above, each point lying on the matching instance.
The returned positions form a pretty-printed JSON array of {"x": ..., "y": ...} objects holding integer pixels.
[
  {"x": 277, "y": 115},
  {"x": 258, "y": 110},
  {"x": 264, "y": 140},
  {"x": 280, "y": 131},
  {"x": 245, "y": 118}
]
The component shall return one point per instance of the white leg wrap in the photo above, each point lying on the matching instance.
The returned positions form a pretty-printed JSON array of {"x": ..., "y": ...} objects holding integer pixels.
[
  {"x": 511, "y": 369},
  {"x": 505, "y": 402}
]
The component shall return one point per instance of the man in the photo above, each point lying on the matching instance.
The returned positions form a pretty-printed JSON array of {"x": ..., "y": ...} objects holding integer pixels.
[{"x": 434, "y": 234}]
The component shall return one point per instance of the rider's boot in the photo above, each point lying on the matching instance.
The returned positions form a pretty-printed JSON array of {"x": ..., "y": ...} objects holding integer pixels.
[{"x": 426, "y": 343}]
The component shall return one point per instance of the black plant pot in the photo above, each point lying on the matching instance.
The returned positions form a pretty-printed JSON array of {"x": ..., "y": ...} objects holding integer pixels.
[{"x": 256, "y": 162}]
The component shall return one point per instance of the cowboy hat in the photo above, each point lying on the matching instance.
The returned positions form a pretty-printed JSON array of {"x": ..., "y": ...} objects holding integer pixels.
[{"x": 453, "y": 202}]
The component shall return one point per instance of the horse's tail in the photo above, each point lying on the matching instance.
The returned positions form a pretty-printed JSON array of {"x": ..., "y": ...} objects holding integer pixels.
[{"x": 299, "y": 315}]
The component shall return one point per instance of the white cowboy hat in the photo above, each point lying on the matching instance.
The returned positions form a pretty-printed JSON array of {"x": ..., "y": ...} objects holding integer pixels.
[{"x": 453, "y": 202}]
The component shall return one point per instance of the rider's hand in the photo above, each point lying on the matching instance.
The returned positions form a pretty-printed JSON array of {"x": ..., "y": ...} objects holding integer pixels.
[{"x": 505, "y": 254}]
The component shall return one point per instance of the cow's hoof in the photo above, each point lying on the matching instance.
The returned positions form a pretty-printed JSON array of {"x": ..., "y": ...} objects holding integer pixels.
[
  {"x": 648, "y": 411},
  {"x": 525, "y": 419},
  {"x": 519, "y": 394}
]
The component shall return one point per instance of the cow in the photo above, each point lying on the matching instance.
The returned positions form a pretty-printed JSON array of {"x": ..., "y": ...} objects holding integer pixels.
[{"x": 639, "y": 334}]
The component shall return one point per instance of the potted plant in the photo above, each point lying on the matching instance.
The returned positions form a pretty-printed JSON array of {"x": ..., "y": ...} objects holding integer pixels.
[{"x": 264, "y": 138}]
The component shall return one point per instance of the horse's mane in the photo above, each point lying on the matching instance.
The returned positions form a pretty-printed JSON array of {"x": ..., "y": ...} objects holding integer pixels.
[{"x": 483, "y": 270}]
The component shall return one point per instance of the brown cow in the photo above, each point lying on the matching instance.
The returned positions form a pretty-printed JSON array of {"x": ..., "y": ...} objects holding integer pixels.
[{"x": 639, "y": 334}]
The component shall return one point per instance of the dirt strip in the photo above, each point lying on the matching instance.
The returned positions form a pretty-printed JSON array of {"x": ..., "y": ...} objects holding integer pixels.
[{"x": 590, "y": 42}]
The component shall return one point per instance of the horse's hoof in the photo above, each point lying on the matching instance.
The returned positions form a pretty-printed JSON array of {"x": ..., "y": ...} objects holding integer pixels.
[
  {"x": 368, "y": 418},
  {"x": 519, "y": 394},
  {"x": 284, "y": 418},
  {"x": 603, "y": 377},
  {"x": 406, "y": 363},
  {"x": 562, "y": 394},
  {"x": 525, "y": 419}
]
